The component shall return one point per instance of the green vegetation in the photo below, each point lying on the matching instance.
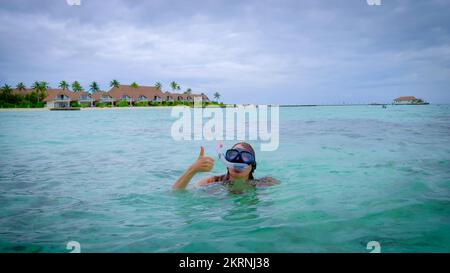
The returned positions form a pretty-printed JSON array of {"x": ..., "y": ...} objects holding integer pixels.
[
  {"x": 74, "y": 104},
  {"x": 141, "y": 103},
  {"x": 176, "y": 103},
  {"x": 9, "y": 99},
  {"x": 122, "y": 103},
  {"x": 419, "y": 101},
  {"x": 155, "y": 103},
  {"x": 213, "y": 103},
  {"x": 134, "y": 85}
]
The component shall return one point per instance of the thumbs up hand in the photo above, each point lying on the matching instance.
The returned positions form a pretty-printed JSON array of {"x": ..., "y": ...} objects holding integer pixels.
[{"x": 203, "y": 163}]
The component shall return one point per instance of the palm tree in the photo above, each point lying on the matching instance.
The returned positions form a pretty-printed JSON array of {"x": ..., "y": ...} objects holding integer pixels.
[
  {"x": 6, "y": 95},
  {"x": 76, "y": 86},
  {"x": 134, "y": 85},
  {"x": 64, "y": 85},
  {"x": 40, "y": 88},
  {"x": 174, "y": 85},
  {"x": 21, "y": 86},
  {"x": 158, "y": 85},
  {"x": 6, "y": 90},
  {"x": 217, "y": 96},
  {"x": 94, "y": 87},
  {"x": 36, "y": 86},
  {"x": 114, "y": 83},
  {"x": 44, "y": 85},
  {"x": 189, "y": 91}
]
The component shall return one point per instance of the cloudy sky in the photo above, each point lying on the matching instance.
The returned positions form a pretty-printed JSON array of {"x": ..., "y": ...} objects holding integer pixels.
[{"x": 299, "y": 51}]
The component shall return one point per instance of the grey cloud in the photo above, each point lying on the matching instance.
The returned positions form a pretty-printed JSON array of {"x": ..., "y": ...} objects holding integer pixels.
[{"x": 250, "y": 51}]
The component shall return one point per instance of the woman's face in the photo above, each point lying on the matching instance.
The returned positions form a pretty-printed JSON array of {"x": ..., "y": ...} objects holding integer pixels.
[{"x": 240, "y": 174}]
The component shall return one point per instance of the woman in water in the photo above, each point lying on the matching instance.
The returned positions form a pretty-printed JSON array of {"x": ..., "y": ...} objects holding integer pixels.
[{"x": 241, "y": 154}]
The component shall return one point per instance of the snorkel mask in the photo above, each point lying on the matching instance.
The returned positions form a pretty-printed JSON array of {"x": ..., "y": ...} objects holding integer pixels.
[{"x": 244, "y": 158}]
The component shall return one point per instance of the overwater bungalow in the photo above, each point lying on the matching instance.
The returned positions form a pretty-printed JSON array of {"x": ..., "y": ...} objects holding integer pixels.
[{"x": 409, "y": 100}]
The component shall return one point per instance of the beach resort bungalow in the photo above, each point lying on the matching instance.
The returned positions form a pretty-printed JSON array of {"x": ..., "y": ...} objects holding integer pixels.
[
  {"x": 185, "y": 97},
  {"x": 179, "y": 97},
  {"x": 126, "y": 98},
  {"x": 58, "y": 98},
  {"x": 157, "y": 98},
  {"x": 83, "y": 98},
  {"x": 136, "y": 94},
  {"x": 61, "y": 98},
  {"x": 189, "y": 98},
  {"x": 142, "y": 98},
  {"x": 168, "y": 97},
  {"x": 103, "y": 97},
  {"x": 203, "y": 96}
]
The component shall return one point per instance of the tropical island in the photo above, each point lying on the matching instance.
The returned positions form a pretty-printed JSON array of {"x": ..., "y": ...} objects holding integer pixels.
[
  {"x": 41, "y": 95},
  {"x": 74, "y": 97}
]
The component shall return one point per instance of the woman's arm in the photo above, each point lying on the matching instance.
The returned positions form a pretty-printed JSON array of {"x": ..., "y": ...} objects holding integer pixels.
[
  {"x": 184, "y": 179},
  {"x": 202, "y": 164}
]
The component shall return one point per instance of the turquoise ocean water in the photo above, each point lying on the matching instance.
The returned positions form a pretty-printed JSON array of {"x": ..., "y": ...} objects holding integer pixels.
[{"x": 349, "y": 175}]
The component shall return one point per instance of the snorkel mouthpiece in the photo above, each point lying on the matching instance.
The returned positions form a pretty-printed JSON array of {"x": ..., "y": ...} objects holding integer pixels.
[{"x": 233, "y": 165}]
